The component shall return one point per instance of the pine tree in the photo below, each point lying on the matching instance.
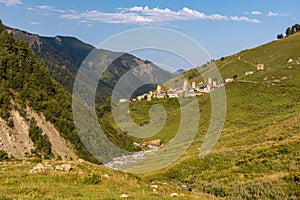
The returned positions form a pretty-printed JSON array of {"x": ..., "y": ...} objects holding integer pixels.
[
  {"x": 1, "y": 26},
  {"x": 288, "y": 31},
  {"x": 297, "y": 26},
  {"x": 293, "y": 30}
]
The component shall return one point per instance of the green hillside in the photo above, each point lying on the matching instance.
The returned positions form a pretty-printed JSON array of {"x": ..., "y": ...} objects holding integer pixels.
[{"x": 257, "y": 155}]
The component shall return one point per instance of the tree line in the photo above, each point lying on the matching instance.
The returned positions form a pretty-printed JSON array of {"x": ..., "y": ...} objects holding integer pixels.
[
  {"x": 41, "y": 141},
  {"x": 290, "y": 31}
]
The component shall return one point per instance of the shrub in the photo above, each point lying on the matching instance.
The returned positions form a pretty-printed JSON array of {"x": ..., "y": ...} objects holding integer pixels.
[
  {"x": 92, "y": 179},
  {"x": 10, "y": 122},
  {"x": 293, "y": 177},
  {"x": 3, "y": 155}
]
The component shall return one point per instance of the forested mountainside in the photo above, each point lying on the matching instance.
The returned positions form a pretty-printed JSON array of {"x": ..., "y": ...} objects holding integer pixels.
[
  {"x": 64, "y": 55},
  {"x": 25, "y": 84}
]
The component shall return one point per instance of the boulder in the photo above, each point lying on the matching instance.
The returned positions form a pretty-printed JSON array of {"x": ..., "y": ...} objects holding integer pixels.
[
  {"x": 153, "y": 143},
  {"x": 124, "y": 196},
  {"x": 136, "y": 144},
  {"x": 38, "y": 168},
  {"x": 64, "y": 167},
  {"x": 154, "y": 186},
  {"x": 49, "y": 167},
  {"x": 106, "y": 175},
  {"x": 173, "y": 194}
]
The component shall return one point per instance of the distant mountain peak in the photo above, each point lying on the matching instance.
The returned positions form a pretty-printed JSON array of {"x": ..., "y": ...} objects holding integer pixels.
[{"x": 179, "y": 71}]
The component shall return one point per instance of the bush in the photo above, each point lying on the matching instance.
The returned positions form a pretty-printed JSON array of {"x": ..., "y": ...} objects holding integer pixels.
[
  {"x": 92, "y": 179},
  {"x": 10, "y": 122},
  {"x": 3, "y": 155},
  {"x": 293, "y": 177},
  {"x": 257, "y": 190}
]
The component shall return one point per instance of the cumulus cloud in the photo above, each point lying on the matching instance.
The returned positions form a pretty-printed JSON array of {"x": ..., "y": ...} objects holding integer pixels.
[
  {"x": 244, "y": 19},
  {"x": 146, "y": 15},
  {"x": 139, "y": 15},
  {"x": 11, "y": 2},
  {"x": 256, "y": 13},
  {"x": 272, "y": 14}
]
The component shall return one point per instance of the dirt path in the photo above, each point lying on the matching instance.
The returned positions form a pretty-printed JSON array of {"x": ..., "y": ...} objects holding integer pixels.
[{"x": 245, "y": 61}]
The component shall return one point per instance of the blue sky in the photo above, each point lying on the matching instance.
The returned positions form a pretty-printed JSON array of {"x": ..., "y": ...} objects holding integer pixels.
[{"x": 221, "y": 27}]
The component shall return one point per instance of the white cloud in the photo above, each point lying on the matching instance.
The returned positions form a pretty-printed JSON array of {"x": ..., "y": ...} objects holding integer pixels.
[
  {"x": 272, "y": 14},
  {"x": 146, "y": 15},
  {"x": 244, "y": 19},
  {"x": 256, "y": 13},
  {"x": 11, "y": 2},
  {"x": 136, "y": 8},
  {"x": 50, "y": 8},
  {"x": 34, "y": 23},
  {"x": 44, "y": 7}
]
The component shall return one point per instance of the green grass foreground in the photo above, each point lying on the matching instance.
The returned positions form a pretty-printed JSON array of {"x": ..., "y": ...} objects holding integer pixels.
[{"x": 84, "y": 181}]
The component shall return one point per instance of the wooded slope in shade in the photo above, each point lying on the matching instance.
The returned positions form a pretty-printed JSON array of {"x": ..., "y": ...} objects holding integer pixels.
[{"x": 27, "y": 82}]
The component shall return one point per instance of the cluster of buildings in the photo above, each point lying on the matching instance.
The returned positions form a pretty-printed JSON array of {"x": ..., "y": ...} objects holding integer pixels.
[{"x": 186, "y": 91}]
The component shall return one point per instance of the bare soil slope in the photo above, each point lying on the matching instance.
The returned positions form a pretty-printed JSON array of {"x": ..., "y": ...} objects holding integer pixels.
[{"x": 16, "y": 140}]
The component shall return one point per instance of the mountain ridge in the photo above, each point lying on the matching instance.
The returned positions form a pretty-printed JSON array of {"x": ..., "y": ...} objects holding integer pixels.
[{"x": 63, "y": 55}]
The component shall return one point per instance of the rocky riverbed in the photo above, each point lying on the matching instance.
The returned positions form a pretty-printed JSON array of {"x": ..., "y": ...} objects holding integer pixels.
[{"x": 118, "y": 162}]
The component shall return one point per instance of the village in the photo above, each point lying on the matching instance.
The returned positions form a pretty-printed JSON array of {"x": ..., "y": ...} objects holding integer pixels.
[{"x": 187, "y": 90}]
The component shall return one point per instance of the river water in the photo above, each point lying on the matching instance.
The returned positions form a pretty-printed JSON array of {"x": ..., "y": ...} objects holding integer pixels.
[{"x": 126, "y": 160}]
